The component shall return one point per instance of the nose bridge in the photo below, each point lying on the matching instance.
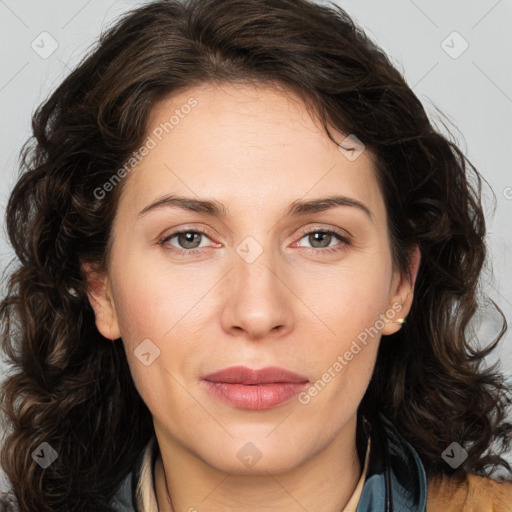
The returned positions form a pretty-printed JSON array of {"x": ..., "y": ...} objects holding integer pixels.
[
  {"x": 258, "y": 299},
  {"x": 255, "y": 269}
]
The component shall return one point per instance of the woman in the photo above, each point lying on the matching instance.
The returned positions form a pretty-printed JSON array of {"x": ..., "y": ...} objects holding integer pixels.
[{"x": 246, "y": 266}]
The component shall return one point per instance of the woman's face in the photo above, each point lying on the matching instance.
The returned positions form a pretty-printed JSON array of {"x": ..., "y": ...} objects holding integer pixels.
[{"x": 271, "y": 282}]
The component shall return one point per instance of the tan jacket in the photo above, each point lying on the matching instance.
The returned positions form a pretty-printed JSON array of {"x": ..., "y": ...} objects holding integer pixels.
[{"x": 474, "y": 494}]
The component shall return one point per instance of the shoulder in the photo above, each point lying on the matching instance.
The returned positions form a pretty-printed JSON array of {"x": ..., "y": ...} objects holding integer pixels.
[{"x": 473, "y": 493}]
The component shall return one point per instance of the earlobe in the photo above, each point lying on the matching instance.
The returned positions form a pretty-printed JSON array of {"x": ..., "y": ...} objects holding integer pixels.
[
  {"x": 100, "y": 298},
  {"x": 401, "y": 300}
]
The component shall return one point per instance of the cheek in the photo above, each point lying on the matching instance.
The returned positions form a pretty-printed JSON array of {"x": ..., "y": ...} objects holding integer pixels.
[
  {"x": 159, "y": 311},
  {"x": 150, "y": 302},
  {"x": 348, "y": 300},
  {"x": 349, "y": 307}
]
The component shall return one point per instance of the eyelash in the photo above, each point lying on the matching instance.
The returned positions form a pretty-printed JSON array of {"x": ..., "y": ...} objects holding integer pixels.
[{"x": 329, "y": 250}]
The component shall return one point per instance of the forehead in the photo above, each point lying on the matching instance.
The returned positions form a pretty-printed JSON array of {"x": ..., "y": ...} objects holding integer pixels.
[{"x": 250, "y": 143}]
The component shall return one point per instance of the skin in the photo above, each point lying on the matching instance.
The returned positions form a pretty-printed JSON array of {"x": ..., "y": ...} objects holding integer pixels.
[{"x": 255, "y": 149}]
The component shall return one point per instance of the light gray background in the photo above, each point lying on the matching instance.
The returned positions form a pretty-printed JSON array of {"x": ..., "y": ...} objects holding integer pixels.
[{"x": 473, "y": 89}]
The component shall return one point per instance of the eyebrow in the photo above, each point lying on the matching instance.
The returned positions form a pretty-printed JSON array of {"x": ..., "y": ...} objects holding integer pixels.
[{"x": 218, "y": 209}]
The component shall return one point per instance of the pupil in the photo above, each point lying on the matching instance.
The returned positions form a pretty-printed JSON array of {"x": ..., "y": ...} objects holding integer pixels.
[
  {"x": 189, "y": 238},
  {"x": 321, "y": 237}
]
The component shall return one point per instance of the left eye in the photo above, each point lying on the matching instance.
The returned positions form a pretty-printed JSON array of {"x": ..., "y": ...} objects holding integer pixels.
[{"x": 323, "y": 238}]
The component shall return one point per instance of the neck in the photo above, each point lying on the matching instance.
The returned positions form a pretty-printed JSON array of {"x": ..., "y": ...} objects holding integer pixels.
[{"x": 184, "y": 482}]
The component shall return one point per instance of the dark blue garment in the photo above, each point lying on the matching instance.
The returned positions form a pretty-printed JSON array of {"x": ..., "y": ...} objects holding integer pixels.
[{"x": 395, "y": 479}]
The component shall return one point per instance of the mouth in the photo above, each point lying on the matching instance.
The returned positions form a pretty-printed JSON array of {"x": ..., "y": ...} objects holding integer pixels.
[
  {"x": 248, "y": 376},
  {"x": 245, "y": 388}
]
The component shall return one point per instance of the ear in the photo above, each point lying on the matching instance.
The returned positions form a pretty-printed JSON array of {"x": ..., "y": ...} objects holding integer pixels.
[
  {"x": 100, "y": 298},
  {"x": 402, "y": 292}
]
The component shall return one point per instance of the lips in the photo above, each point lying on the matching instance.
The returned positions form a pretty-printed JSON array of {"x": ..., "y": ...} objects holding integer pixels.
[
  {"x": 248, "y": 376},
  {"x": 244, "y": 388}
]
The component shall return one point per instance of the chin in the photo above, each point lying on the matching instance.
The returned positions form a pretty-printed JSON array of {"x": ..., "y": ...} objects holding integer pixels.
[{"x": 256, "y": 458}]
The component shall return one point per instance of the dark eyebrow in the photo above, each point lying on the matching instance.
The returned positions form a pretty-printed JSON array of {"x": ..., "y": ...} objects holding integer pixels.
[
  {"x": 217, "y": 209},
  {"x": 300, "y": 207},
  {"x": 214, "y": 208}
]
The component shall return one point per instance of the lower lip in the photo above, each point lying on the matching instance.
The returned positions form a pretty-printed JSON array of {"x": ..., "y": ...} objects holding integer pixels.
[{"x": 259, "y": 396}]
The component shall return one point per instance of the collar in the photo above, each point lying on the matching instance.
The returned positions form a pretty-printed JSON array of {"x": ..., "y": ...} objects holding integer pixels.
[{"x": 396, "y": 479}]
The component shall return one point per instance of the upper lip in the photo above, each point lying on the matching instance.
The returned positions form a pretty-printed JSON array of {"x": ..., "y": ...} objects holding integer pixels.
[{"x": 244, "y": 375}]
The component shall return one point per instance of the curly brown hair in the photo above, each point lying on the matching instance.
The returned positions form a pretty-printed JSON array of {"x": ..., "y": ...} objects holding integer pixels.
[{"x": 72, "y": 388}]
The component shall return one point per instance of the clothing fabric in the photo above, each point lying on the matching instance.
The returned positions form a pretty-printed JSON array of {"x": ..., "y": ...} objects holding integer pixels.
[{"x": 474, "y": 494}]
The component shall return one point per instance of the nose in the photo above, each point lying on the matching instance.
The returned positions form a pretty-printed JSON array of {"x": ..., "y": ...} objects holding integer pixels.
[{"x": 259, "y": 302}]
